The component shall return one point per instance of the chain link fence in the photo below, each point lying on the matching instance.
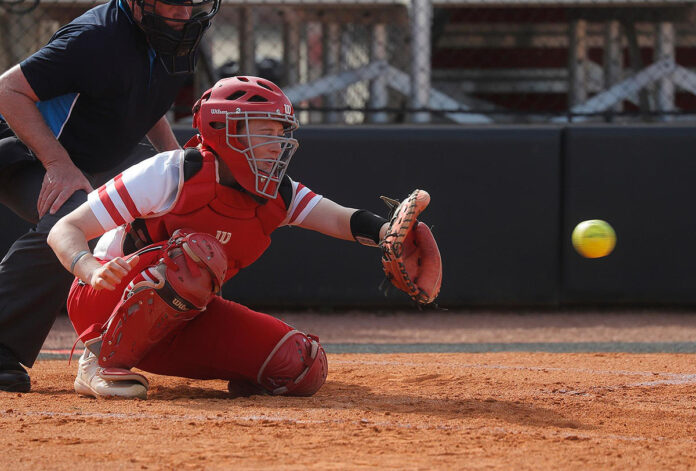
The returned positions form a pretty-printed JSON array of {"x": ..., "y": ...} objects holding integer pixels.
[{"x": 438, "y": 61}]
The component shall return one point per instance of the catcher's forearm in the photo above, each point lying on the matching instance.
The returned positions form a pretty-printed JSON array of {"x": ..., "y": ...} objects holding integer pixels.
[
  {"x": 338, "y": 221},
  {"x": 70, "y": 246}
]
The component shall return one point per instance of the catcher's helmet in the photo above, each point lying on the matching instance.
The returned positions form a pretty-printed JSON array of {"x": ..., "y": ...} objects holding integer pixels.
[
  {"x": 175, "y": 27},
  {"x": 222, "y": 118}
]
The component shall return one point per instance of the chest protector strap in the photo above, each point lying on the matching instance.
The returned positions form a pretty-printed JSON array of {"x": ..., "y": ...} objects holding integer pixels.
[{"x": 175, "y": 289}]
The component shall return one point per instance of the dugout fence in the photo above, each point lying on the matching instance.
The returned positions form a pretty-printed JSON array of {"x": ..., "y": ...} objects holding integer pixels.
[
  {"x": 505, "y": 200},
  {"x": 435, "y": 61}
]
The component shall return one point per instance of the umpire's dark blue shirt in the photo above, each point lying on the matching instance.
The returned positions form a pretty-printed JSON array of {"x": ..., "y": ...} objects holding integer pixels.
[{"x": 100, "y": 86}]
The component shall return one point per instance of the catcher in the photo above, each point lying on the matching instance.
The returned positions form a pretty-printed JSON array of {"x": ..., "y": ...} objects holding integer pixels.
[{"x": 175, "y": 227}]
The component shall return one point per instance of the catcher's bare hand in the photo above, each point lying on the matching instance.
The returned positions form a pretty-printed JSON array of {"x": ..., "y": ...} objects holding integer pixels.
[
  {"x": 62, "y": 179},
  {"x": 410, "y": 256},
  {"x": 109, "y": 275}
]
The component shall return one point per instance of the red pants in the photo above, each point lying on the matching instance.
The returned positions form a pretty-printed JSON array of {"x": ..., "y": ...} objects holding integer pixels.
[{"x": 226, "y": 341}]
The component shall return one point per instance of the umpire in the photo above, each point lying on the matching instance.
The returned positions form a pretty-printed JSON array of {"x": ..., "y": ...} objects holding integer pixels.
[{"x": 70, "y": 112}]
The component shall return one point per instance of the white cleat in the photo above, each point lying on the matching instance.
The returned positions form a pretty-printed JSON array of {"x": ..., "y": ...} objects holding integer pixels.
[{"x": 92, "y": 380}]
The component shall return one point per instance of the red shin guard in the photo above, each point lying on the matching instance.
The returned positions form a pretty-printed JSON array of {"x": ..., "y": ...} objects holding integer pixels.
[{"x": 162, "y": 297}]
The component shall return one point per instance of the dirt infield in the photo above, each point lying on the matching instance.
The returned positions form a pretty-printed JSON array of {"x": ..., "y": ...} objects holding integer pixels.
[{"x": 388, "y": 411}]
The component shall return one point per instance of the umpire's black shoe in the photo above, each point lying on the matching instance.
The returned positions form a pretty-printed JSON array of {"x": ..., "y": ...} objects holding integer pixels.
[{"x": 13, "y": 378}]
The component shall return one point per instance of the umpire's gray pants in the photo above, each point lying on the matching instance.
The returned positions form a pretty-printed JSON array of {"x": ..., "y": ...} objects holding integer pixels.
[{"x": 33, "y": 284}]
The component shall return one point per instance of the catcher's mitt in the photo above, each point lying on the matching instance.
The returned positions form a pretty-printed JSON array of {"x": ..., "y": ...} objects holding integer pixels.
[{"x": 410, "y": 255}]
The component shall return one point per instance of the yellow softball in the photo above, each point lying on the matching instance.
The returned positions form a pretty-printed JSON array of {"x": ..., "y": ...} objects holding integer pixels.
[{"x": 594, "y": 238}]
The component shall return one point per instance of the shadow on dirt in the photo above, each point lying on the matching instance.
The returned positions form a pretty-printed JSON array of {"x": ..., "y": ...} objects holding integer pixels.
[{"x": 346, "y": 396}]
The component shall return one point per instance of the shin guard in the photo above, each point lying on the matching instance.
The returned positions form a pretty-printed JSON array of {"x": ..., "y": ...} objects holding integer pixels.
[{"x": 162, "y": 297}]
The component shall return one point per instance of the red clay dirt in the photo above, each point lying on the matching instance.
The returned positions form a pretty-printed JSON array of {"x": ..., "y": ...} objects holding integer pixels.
[{"x": 523, "y": 411}]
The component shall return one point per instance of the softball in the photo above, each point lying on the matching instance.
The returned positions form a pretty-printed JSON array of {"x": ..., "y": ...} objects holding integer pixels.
[{"x": 594, "y": 238}]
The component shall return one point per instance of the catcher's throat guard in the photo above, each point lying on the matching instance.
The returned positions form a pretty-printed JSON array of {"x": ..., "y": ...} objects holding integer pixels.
[
  {"x": 410, "y": 256},
  {"x": 162, "y": 297}
]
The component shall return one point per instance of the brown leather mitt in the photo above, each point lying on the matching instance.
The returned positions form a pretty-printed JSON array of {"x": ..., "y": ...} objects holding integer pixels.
[{"x": 410, "y": 255}]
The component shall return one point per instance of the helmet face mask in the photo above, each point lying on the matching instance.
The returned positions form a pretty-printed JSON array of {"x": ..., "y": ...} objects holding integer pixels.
[
  {"x": 268, "y": 154},
  {"x": 174, "y": 29},
  {"x": 249, "y": 123}
]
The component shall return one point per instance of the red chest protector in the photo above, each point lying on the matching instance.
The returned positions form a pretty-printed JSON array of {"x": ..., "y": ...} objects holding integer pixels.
[{"x": 239, "y": 221}]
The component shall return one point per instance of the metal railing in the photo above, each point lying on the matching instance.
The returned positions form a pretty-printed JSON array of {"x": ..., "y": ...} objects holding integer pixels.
[{"x": 438, "y": 61}]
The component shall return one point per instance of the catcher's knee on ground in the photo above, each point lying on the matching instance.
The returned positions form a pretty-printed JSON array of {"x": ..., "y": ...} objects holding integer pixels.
[{"x": 296, "y": 366}]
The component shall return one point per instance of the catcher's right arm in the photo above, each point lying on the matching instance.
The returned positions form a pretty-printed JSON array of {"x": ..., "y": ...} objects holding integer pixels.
[{"x": 410, "y": 256}]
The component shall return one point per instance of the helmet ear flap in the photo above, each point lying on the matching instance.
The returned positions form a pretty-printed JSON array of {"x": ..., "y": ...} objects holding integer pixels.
[
  {"x": 196, "y": 115},
  {"x": 197, "y": 108}
]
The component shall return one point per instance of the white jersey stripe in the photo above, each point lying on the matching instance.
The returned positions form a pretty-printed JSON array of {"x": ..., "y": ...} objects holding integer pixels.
[
  {"x": 303, "y": 199},
  {"x": 297, "y": 199},
  {"x": 100, "y": 211},
  {"x": 308, "y": 209},
  {"x": 117, "y": 201}
]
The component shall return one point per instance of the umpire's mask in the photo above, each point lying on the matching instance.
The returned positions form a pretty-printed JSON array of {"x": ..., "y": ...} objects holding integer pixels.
[{"x": 175, "y": 27}]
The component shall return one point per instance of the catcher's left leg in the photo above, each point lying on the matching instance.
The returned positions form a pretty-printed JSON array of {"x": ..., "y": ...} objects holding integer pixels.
[{"x": 256, "y": 352}]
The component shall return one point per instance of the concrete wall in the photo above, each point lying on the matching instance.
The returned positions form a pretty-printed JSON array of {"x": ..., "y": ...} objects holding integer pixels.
[
  {"x": 642, "y": 179},
  {"x": 495, "y": 210},
  {"x": 504, "y": 202}
]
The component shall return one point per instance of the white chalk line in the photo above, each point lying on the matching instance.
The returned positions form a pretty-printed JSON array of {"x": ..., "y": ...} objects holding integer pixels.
[
  {"x": 676, "y": 380},
  {"x": 362, "y": 422}
]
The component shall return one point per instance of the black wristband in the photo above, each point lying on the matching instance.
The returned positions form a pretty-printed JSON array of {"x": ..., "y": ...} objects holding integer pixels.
[{"x": 365, "y": 227}]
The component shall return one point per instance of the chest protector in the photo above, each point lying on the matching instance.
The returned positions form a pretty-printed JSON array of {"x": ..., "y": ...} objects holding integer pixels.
[{"x": 241, "y": 222}]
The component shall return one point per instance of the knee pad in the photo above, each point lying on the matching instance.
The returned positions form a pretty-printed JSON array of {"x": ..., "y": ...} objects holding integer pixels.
[
  {"x": 296, "y": 366},
  {"x": 162, "y": 297}
]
